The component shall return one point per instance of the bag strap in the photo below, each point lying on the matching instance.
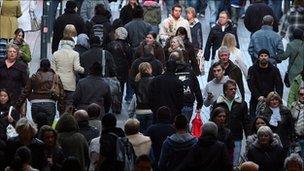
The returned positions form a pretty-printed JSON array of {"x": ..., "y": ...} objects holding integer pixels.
[
  {"x": 291, "y": 63},
  {"x": 103, "y": 62}
]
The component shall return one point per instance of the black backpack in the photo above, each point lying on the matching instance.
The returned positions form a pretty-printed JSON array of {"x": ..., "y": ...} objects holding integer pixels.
[{"x": 124, "y": 152}]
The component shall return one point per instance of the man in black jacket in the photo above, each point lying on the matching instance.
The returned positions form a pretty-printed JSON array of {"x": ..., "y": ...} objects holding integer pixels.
[
  {"x": 217, "y": 33},
  {"x": 254, "y": 16},
  {"x": 93, "y": 89},
  {"x": 69, "y": 17},
  {"x": 238, "y": 118},
  {"x": 263, "y": 78},
  {"x": 166, "y": 90},
  {"x": 94, "y": 54},
  {"x": 191, "y": 87}
]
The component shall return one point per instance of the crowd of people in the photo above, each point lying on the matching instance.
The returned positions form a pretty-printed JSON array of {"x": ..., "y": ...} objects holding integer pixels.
[{"x": 151, "y": 66}]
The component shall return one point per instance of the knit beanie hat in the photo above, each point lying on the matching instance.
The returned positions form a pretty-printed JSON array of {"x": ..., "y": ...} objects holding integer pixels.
[
  {"x": 121, "y": 33},
  {"x": 263, "y": 51},
  {"x": 209, "y": 129}
]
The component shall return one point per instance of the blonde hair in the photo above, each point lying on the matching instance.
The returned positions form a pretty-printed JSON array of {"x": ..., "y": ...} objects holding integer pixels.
[
  {"x": 229, "y": 41},
  {"x": 179, "y": 40},
  {"x": 273, "y": 96},
  {"x": 69, "y": 31},
  {"x": 25, "y": 125},
  {"x": 191, "y": 10},
  {"x": 142, "y": 69}
]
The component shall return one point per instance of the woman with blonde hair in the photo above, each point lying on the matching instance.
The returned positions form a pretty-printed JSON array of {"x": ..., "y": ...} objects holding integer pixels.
[
  {"x": 142, "y": 108},
  {"x": 236, "y": 55},
  {"x": 68, "y": 33},
  {"x": 279, "y": 118}
]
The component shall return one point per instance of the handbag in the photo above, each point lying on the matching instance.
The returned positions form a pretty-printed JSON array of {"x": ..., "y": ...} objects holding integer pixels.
[
  {"x": 55, "y": 90},
  {"x": 35, "y": 26},
  {"x": 114, "y": 85},
  {"x": 197, "y": 124}
]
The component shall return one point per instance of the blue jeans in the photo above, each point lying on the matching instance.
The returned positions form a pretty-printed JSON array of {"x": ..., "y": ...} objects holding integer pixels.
[
  {"x": 214, "y": 7},
  {"x": 187, "y": 111},
  {"x": 237, "y": 152},
  {"x": 43, "y": 113},
  {"x": 129, "y": 91},
  {"x": 145, "y": 121}
]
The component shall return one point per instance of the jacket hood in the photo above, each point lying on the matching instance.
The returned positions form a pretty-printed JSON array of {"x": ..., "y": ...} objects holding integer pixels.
[
  {"x": 83, "y": 40},
  {"x": 275, "y": 142},
  {"x": 206, "y": 141},
  {"x": 66, "y": 123},
  {"x": 181, "y": 141},
  {"x": 228, "y": 24},
  {"x": 138, "y": 139},
  {"x": 222, "y": 99},
  {"x": 66, "y": 44},
  {"x": 101, "y": 19},
  {"x": 151, "y": 4}
]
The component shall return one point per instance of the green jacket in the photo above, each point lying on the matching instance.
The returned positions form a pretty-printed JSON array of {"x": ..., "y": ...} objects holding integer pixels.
[
  {"x": 25, "y": 53},
  {"x": 295, "y": 53},
  {"x": 294, "y": 90}
]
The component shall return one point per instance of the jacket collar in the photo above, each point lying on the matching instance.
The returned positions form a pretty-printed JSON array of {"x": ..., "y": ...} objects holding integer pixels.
[{"x": 223, "y": 99}]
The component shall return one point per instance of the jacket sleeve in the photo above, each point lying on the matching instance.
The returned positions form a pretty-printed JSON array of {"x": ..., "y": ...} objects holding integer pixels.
[
  {"x": 197, "y": 92},
  {"x": 236, "y": 37},
  {"x": 240, "y": 83},
  {"x": 111, "y": 64},
  {"x": 280, "y": 47},
  {"x": 251, "y": 81},
  {"x": 208, "y": 46},
  {"x": 61, "y": 101},
  {"x": 278, "y": 82},
  {"x": 77, "y": 66},
  {"x": 26, "y": 53},
  {"x": 107, "y": 100},
  {"x": 246, "y": 120},
  {"x": 83, "y": 11},
  {"x": 25, "y": 93},
  {"x": 286, "y": 54},
  {"x": 210, "y": 74},
  {"x": 251, "y": 47},
  {"x": 18, "y": 10},
  {"x": 179, "y": 94},
  {"x": 292, "y": 95},
  {"x": 163, "y": 159}
]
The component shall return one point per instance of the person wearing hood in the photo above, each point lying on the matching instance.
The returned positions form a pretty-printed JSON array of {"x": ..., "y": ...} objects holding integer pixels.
[
  {"x": 148, "y": 56},
  {"x": 294, "y": 20},
  {"x": 266, "y": 152},
  {"x": 89, "y": 132},
  {"x": 65, "y": 63},
  {"x": 266, "y": 38},
  {"x": 69, "y": 17},
  {"x": 191, "y": 87},
  {"x": 231, "y": 70},
  {"x": 176, "y": 146},
  {"x": 238, "y": 118},
  {"x": 152, "y": 14},
  {"x": 122, "y": 55},
  {"x": 159, "y": 131},
  {"x": 100, "y": 25},
  {"x": 224, "y": 25},
  {"x": 263, "y": 78},
  {"x": 88, "y": 6},
  {"x": 208, "y": 153},
  {"x": 214, "y": 88},
  {"x": 82, "y": 44},
  {"x": 140, "y": 143},
  {"x": 72, "y": 142}
]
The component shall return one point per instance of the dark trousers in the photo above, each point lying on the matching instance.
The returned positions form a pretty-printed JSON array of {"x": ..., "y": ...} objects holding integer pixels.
[{"x": 43, "y": 113}]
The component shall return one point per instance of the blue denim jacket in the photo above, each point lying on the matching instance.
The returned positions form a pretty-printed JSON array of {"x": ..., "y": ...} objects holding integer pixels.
[{"x": 266, "y": 38}]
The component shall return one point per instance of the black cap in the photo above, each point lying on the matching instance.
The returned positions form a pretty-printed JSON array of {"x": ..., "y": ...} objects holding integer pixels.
[{"x": 263, "y": 51}]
